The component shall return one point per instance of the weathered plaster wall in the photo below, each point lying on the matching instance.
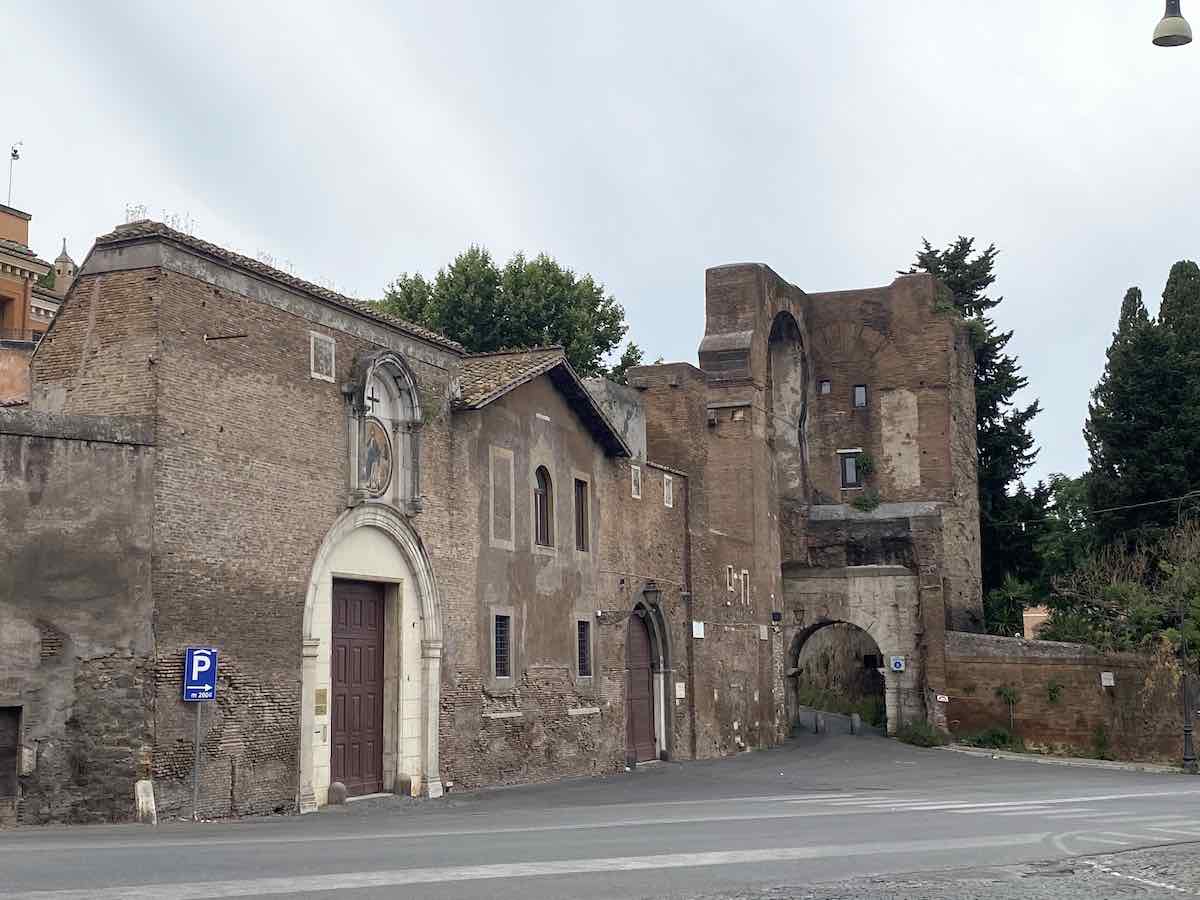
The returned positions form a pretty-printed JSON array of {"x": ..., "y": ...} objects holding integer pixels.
[
  {"x": 1062, "y": 705},
  {"x": 14, "y": 370},
  {"x": 76, "y": 633},
  {"x": 624, "y": 409}
]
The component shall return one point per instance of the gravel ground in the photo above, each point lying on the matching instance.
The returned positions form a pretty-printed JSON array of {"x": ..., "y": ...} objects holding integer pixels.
[{"x": 1161, "y": 872}]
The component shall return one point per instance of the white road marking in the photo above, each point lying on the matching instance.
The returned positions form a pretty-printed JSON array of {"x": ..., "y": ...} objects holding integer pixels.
[
  {"x": 347, "y": 881},
  {"x": 1143, "y": 838},
  {"x": 1158, "y": 884},
  {"x": 1100, "y": 840},
  {"x": 1192, "y": 833}
]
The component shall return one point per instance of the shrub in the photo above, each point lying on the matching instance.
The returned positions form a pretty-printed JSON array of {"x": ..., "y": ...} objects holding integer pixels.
[
  {"x": 921, "y": 734},
  {"x": 1100, "y": 743},
  {"x": 996, "y": 739},
  {"x": 867, "y": 501},
  {"x": 1054, "y": 691}
]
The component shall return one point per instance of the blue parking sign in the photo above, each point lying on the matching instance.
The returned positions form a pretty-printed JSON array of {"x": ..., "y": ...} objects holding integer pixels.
[{"x": 200, "y": 674}]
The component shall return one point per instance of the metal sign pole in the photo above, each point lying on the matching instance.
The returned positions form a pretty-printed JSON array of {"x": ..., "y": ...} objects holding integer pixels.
[{"x": 196, "y": 768}]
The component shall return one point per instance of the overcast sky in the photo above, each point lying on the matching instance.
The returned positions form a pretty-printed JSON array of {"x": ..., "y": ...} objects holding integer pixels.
[{"x": 641, "y": 142}]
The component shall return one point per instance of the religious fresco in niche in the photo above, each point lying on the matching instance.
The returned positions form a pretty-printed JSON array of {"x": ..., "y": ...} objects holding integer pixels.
[{"x": 376, "y": 470}]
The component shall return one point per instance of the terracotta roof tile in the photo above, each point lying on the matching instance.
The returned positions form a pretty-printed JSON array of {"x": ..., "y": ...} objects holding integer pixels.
[
  {"x": 147, "y": 228},
  {"x": 485, "y": 376}
]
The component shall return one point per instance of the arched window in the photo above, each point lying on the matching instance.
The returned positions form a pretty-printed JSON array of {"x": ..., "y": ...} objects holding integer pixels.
[{"x": 543, "y": 508}]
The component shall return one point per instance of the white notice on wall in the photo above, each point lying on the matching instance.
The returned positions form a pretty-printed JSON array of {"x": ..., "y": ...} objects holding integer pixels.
[
  {"x": 763, "y": 635},
  {"x": 697, "y": 629},
  {"x": 1107, "y": 679},
  {"x": 680, "y": 690}
]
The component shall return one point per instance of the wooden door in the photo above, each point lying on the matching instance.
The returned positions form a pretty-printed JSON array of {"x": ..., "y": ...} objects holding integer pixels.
[
  {"x": 10, "y": 742},
  {"x": 639, "y": 697},
  {"x": 357, "y": 751}
]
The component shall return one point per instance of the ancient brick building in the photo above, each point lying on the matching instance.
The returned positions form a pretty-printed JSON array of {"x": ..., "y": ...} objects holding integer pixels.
[{"x": 427, "y": 570}]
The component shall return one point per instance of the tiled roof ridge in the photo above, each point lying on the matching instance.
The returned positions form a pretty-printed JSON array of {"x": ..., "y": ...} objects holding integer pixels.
[{"x": 150, "y": 228}]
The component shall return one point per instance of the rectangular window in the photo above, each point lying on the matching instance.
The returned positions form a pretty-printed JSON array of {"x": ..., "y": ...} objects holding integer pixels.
[
  {"x": 321, "y": 357},
  {"x": 860, "y": 396},
  {"x": 635, "y": 482},
  {"x": 581, "y": 514},
  {"x": 745, "y": 588},
  {"x": 729, "y": 578},
  {"x": 668, "y": 491},
  {"x": 583, "y": 647},
  {"x": 851, "y": 478},
  {"x": 824, "y": 386},
  {"x": 502, "y": 646}
]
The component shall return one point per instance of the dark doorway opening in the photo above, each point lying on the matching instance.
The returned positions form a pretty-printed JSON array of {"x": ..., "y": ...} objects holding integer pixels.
[
  {"x": 357, "y": 749},
  {"x": 639, "y": 696},
  {"x": 10, "y": 744}
]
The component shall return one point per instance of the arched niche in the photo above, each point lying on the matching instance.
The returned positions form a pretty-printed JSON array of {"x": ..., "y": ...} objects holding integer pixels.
[
  {"x": 787, "y": 405},
  {"x": 384, "y": 420}
]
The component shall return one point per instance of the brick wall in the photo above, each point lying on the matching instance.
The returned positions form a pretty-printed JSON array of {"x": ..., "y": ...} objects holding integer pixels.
[
  {"x": 1062, "y": 704},
  {"x": 76, "y": 641}
]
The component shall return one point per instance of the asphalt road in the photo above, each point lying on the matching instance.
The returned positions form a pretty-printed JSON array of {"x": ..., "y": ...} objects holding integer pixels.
[{"x": 822, "y": 816}]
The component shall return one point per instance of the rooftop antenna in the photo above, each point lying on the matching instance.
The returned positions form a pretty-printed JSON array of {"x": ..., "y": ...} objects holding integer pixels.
[{"x": 13, "y": 155}]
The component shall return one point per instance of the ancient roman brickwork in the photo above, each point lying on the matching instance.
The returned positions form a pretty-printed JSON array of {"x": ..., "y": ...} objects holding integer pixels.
[
  {"x": 715, "y": 530},
  {"x": 1061, "y": 703},
  {"x": 76, "y": 639}
]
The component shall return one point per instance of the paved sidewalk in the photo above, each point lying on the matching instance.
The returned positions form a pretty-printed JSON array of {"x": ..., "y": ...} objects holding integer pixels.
[{"x": 1115, "y": 765}]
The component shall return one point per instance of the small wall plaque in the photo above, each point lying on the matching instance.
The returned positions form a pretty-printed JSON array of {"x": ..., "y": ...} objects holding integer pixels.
[
  {"x": 321, "y": 702},
  {"x": 1107, "y": 679}
]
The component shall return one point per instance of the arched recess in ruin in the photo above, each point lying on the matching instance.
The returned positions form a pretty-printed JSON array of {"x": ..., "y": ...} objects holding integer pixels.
[
  {"x": 373, "y": 543},
  {"x": 837, "y": 666},
  {"x": 787, "y": 405},
  {"x": 647, "y": 623},
  {"x": 794, "y": 671}
]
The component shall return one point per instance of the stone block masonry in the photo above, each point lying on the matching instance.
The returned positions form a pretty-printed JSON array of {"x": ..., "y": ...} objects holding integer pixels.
[{"x": 76, "y": 634}]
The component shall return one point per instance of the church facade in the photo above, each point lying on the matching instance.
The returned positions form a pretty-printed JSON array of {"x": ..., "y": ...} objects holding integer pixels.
[{"x": 427, "y": 570}]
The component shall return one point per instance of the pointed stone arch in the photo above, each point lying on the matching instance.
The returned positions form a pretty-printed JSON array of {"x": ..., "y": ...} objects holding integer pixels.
[{"x": 383, "y": 380}]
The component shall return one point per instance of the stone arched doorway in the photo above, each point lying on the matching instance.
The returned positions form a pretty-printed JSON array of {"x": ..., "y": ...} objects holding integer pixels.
[
  {"x": 647, "y": 680},
  {"x": 838, "y": 667},
  {"x": 372, "y": 545}
]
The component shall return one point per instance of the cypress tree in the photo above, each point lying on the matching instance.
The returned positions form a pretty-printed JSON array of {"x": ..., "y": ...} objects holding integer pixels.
[
  {"x": 1143, "y": 427},
  {"x": 1004, "y": 442}
]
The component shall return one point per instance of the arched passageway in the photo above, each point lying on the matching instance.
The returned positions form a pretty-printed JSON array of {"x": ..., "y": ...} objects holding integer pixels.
[{"x": 838, "y": 667}]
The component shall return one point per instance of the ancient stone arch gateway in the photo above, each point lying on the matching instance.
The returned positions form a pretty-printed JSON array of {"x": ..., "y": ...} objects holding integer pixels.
[{"x": 426, "y": 569}]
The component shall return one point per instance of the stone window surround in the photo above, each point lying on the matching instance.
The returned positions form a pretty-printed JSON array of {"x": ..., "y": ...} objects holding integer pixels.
[
  {"x": 502, "y": 685},
  {"x": 314, "y": 338},
  {"x": 668, "y": 491},
  {"x": 841, "y": 454},
  {"x": 586, "y": 681},
  {"x": 539, "y": 460},
  {"x": 577, "y": 475},
  {"x": 502, "y": 455},
  {"x": 635, "y": 481}
]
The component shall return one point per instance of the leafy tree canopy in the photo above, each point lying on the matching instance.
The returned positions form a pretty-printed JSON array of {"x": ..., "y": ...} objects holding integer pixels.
[{"x": 528, "y": 302}]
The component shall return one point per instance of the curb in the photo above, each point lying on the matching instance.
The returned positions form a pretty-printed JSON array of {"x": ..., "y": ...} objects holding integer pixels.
[{"x": 1150, "y": 768}]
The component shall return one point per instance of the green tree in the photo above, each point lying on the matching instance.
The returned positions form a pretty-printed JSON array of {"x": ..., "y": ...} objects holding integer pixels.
[
  {"x": 1004, "y": 442},
  {"x": 528, "y": 302},
  {"x": 47, "y": 280},
  {"x": 1141, "y": 432}
]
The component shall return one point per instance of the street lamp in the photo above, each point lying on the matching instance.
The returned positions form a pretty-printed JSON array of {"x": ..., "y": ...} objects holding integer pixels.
[{"x": 1173, "y": 29}]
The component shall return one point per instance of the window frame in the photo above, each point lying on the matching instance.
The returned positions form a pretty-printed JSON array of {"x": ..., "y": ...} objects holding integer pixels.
[
  {"x": 509, "y": 656},
  {"x": 854, "y": 396},
  {"x": 668, "y": 491},
  {"x": 745, "y": 587},
  {"x": 582, "y": 515},
  {"x": 585, "y": 655},
  {"x": 824, "y": 387},
  {"x": 853, "y": 456},
  {"x": 543, "y": 508},
  {"x": 315, "y": 337},
  {"x": 729, "y": 578},
  {"x": 635, "y": 482}
]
